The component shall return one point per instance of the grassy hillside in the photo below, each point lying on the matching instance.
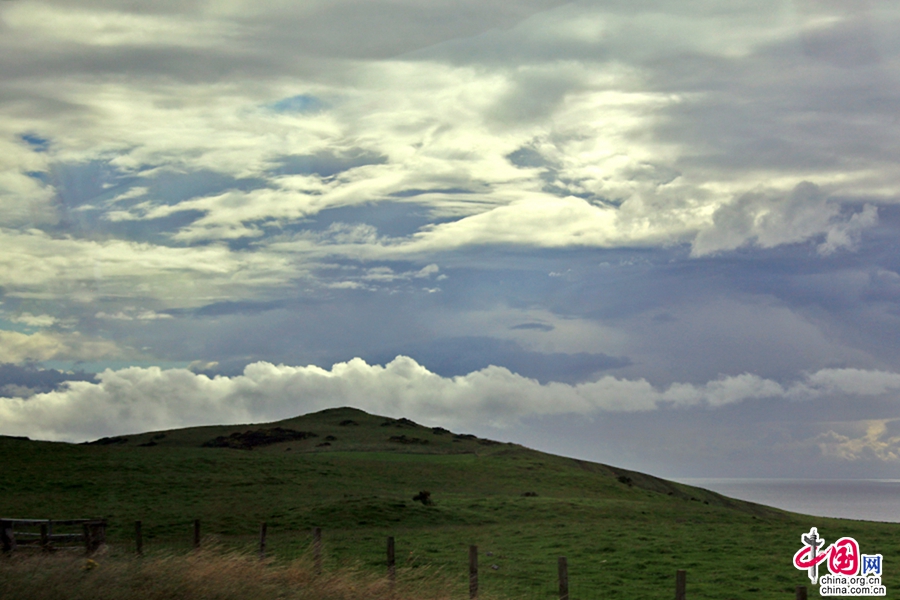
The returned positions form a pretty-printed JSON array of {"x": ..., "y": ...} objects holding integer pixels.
[{"x": 355, "y": 475}]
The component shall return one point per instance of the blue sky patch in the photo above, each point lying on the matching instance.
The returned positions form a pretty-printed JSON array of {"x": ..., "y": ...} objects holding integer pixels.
[
  {"x": 37, "y": 143},
  {"x": 303, "y": 103}
]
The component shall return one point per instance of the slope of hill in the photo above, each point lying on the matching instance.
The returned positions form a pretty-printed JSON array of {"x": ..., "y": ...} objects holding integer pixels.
[{"x": 356, "y": 476}]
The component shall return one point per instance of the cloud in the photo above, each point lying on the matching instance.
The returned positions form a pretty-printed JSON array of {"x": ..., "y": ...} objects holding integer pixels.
[
  {"x": 95, "y": 27},
  {"x": 769, "y": 220},
  {"x": 35, "y": 264},
  {"x": 130, "y": 313},
  {"x": 21, "y": 348},
  {"x": 877, "y": 440},
  {"x": 459, "y": 355},
  {"x": 534, "y": 326},
  {"x": 34, "y": 320},
  {"x": 139, "y": 399},
  {"x": 561, "y": 131},
  {"x": 851, "y": 381}
]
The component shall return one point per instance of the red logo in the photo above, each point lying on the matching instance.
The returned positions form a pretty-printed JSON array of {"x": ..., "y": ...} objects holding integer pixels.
[{"x": 842, "y": 555}]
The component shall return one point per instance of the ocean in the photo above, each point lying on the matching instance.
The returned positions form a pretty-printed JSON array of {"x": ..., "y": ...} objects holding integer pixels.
[{"x": 863, "y": 499}]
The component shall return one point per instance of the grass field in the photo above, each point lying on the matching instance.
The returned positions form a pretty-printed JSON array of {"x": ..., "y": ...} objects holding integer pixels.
[{"x": 624, "y": 534}]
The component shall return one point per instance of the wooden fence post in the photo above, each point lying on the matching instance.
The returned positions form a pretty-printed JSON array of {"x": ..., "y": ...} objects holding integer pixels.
[
  {"x": 138, "y": 539},
  {"x": 563, "y": 568},
  {"x": 94, "y": 535},
  {"x": 97, "y": 531},
  {"x": 317, "y": 549},
  {"x": 262, "y": 540},
  {"x": 196, "y": 533},
  {"x": 45, "y": 538},
  {"x": 88, "y": 542},
  {"x": 801, "y": 592},
  {"x": 473, "y": 572},
  {"x": 391, "y": 564},
  {"x": 680, "y": 584},
  {"x": 7, "y": 536}
]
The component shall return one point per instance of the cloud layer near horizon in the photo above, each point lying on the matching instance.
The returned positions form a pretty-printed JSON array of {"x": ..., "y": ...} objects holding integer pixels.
[{"x": 142, "y": 399}]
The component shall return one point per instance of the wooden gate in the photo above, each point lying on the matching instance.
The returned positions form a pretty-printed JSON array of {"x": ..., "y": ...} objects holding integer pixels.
[{"x": 49, "y": 534}]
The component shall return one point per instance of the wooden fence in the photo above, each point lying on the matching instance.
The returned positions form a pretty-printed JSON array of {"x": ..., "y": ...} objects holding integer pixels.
[
  {"x": 93, "y": 535},
  {"x": 49, "y": 534}
]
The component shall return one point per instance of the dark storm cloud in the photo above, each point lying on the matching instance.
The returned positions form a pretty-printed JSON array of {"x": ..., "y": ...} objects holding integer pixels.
[
  {"x": 792, "y": 104},
  {"x": 25, "y": 380},
  {"x": 244, "y": 307},
  {"x": 87, "y": 192},
  {"x": 185, "y": 64},
  {"x": 80, "y": 183},
  {"x": 450, "y": 357},
  {"x": 370, "y": 30},
  {"x": 260, "y": 44},
  {"x": 325, "y": 164},
  {"x": 389, "y": 218},
  {"x": 527, "y": 158},
  {"x": 172, "y": 186},
  {"x": 848, "y": 43},
  {"x": 533, "y": 326},
  {"x": 419, "y": 192},
  {"x": 157, "y": 231},
  {"x": 321, "y": 326}
]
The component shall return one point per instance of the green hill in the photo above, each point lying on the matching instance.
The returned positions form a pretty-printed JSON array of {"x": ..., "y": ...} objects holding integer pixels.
[{"x": 355, "y": 475}]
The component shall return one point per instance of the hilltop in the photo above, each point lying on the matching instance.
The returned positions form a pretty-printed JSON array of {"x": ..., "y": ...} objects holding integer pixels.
[{"x": 338, "y": 431}]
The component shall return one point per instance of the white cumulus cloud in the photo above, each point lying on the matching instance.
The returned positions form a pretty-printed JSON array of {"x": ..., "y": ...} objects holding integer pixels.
[{"x": 140, "y": 399}]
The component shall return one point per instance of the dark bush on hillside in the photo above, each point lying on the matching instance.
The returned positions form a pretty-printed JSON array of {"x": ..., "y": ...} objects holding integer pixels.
[
  {"x": 248, "y": 440},
  {"x": 401, "y": 422},
  {"x": 424, "y": 497},
  {"x": 109, "y": 441},
  {"x": 402, "y": 439}
]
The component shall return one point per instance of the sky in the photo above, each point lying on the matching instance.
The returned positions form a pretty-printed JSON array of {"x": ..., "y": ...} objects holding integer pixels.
[{"x": 658, "y": 235}]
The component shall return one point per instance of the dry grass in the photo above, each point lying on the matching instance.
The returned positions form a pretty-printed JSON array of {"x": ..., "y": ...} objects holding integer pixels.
[{"x": 208, "y": 574}]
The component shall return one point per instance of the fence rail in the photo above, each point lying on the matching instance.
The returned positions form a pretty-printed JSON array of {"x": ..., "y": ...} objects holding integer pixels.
[{"x": 93, "y": 535}]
